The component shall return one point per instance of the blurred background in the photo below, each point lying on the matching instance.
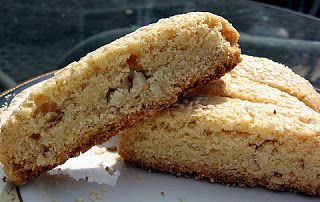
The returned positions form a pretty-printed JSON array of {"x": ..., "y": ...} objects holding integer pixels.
[{"x": 38, "y": 36}]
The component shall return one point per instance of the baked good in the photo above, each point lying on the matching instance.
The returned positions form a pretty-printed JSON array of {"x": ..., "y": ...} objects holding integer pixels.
[
  {"x": 112, "y": 87},
  {"x": 247, "y": 129}
]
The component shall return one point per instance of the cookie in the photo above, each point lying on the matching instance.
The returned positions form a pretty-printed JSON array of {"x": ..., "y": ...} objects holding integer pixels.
[
  {"x": 109, "y": 89},
  {"x": 241, "y": 129}
]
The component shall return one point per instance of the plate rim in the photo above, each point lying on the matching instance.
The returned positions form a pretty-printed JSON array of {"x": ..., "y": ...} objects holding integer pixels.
[{"x": 19, "y": 85}]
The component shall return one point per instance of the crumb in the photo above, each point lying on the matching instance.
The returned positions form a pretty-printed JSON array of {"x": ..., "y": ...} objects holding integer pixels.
[
  {"x": 162, "y": 193},
  {"x": 140, "y": 177},
  {"x": 129, "y": 11},
  {"x": 106, "y": 189},
  {"x": 94, "y": 196},
  {"x": 182, "y": 199},
  {"x": 242, "y": 185},
  {"x": 126, "y": 173},
  {"x": 8, "y": 96},
  {"x": 274, "y": 112},
  {"x": 59, "y": 169},
  {"x": 110, "y": 170},
  {"x": 4, "y": 179},
  {"x": 112, "y": 149},
  {"x": 100, "y": 151}
]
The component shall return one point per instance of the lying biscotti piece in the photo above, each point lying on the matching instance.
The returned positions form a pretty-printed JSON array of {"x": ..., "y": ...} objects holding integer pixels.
[
  {"x": 111, "y": 88},
  {"x": 237, "y": 130},
  {"x": 262, "y": 80}
]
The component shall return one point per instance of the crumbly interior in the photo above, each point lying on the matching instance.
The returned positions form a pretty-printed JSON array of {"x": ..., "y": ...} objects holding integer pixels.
[
  {"x": 235, "y": 131},
  {"x": 109, "y": 89}
]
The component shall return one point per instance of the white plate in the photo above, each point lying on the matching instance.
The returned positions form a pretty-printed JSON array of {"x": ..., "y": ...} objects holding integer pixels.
[{"x": 85, "y": 179}]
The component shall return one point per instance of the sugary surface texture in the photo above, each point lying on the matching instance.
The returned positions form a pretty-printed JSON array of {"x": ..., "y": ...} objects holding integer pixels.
[
  {"x": 112, "y": 87},
  {"x": 237, "y": 130}
]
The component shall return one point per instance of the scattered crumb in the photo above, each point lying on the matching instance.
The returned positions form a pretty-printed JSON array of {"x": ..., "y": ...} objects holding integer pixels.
[
  {"x": 100, "y": 151},
  {"x": 126, "y": 173},
  {"x": 94, "y": 196},
  {"x": 110, "y": 170},
  {"x": 274, "y": 112},
  {"x": 162, "y": 193},
  {"x": 4, "y": 179},
  {"x": 112, "y": 149},
  {"x": 129, "y": 11},
  {"x": 106, "y": 189},
  {"x": 59, "y": 169},
  {"x": 140, "y": 177},
  {"x": 181, "y": 199},
  {"x": 8, "y": 96}
]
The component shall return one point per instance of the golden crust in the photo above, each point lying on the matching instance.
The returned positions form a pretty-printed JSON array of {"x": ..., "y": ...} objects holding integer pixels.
[{"x": 111, "y": 88}]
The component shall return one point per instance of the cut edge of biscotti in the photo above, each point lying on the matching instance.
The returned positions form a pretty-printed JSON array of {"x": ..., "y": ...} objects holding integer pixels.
[
  {"x": 111, "y": 88},
  {"x": 235, "y": 131}
]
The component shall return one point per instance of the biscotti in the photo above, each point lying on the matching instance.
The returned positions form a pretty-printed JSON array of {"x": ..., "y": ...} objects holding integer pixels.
[
  {"x": 247, "y": 128},
  {"x": 112, "y": 87}
]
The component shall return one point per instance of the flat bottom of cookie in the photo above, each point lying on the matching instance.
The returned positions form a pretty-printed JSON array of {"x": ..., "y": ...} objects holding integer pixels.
[{"x": 229, "y": 178}]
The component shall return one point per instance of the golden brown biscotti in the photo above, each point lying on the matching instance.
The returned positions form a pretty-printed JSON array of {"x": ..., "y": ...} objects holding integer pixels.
[
  {"x": 262, "y": 80},
  {"x": 237, "y": 130},
  {"x": 279, "y": 76},
  {"x": 112, "y": 87}
]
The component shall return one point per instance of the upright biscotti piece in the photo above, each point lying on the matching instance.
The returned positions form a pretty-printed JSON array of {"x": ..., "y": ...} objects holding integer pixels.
[
  {"x": 111, "y": 88},
  {"x": 237, "y": 130}
]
